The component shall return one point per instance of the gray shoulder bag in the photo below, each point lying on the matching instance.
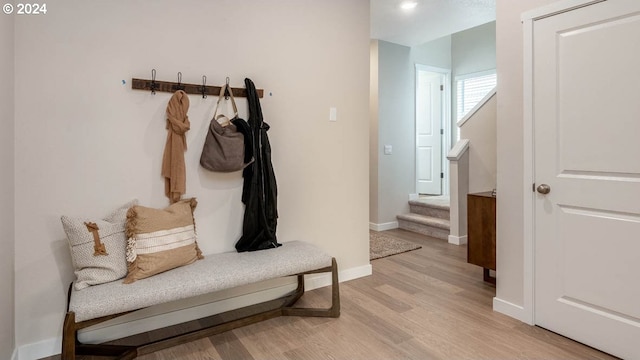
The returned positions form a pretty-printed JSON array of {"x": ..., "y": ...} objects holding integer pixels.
[{"x": 223, "y": 149}]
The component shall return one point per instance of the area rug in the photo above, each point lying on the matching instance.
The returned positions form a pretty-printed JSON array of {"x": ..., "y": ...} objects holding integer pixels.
[{"x": 381, "y": 245}]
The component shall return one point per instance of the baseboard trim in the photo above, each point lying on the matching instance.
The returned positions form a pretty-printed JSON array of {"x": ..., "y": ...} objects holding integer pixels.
[
  {"x": 457, "y": 240},
  {"x": 353, "y": 273},
  {"x": 40, "y": 349},
  {"x": 384, "y": 226},
  {"x": 51, "y": 347},
  {"x": 322, "y": 280},
  {"x": 511, "y": 310}
]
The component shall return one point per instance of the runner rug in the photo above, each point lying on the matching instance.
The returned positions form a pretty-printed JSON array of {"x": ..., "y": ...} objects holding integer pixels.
[{"x": 381, "y": 245}]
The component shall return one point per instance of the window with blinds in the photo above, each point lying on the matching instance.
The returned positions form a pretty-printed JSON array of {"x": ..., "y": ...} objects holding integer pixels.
[{"x": 471, "y": 89}]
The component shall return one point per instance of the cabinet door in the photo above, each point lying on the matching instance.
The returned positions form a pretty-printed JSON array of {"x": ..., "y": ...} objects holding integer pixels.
[{"x": 481, "y": 248}]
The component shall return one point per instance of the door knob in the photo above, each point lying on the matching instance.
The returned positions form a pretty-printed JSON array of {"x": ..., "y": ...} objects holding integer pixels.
[{"x": 544, "y": 189}]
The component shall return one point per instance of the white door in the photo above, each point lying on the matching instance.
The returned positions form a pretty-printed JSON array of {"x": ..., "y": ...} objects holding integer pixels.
[
  {"x": 586, "y": 105},
  {"x": 429, "y": 100}
]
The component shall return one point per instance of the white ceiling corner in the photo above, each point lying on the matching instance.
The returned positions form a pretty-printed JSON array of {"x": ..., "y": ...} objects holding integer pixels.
[{"x": 430, "y": 20}]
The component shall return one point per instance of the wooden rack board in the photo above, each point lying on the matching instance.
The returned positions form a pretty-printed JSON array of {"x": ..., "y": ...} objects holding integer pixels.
[{"x": 196, "y": 89}]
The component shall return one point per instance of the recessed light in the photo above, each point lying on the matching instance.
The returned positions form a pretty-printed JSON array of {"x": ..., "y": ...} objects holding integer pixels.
[{"x": 408, "y": 5}]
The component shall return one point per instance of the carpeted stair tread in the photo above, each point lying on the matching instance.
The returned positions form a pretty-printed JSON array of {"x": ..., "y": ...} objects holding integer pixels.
[
  {"x": 426, "y": 220},
  {"x": 432, "y": 209},
  {"x": 440, "y": 205}
]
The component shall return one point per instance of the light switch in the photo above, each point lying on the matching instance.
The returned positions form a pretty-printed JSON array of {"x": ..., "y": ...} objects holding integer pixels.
[
  {"x": 388, "y": 149},
  {"x": 333, "y": 114}
]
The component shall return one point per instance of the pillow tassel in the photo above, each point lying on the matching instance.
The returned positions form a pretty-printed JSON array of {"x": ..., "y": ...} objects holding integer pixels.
[
  {"x": 130, "y": 231},
  {"x": 132, "y": 269},
  {"x": 132, "y": 222},
  {"x": 193, "y": 203},
  {"x": 131, "y": 250}
]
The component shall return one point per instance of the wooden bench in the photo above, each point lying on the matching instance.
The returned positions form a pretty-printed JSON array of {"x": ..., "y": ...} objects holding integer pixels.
[{"x": 217, "y": 272}]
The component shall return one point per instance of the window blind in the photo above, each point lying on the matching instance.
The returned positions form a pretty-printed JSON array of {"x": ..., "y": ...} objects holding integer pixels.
[{"x": 471, "y": 90}]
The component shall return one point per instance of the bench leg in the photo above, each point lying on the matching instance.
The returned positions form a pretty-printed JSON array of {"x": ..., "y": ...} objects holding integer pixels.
[
  {"x": 333, "y": 311},
  {"x": 296, "y": 294},
  {"x": 69, "y": 332}
]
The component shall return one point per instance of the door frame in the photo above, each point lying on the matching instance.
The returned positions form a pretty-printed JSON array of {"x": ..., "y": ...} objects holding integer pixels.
[
  {"x": 446, "y": 125},
  {"x": 527, "y": 312}
]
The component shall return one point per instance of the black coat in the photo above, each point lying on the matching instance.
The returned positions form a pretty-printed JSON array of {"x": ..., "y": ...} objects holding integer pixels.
[{"x": 260, "y": 191}]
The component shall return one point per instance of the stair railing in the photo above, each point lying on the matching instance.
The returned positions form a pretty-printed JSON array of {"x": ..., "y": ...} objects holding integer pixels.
[{"x": 459, "y": 188}]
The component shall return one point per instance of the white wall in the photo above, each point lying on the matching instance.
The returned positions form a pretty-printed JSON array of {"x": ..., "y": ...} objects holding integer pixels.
[
  {"x": 472, "y": 51},
  {"x": 7, "y": 186},
  {"x": 509, "y": 41},
  {"x": 86, "y": 143},
  {"x": 395, "y": 128},
  {"x": 395, "y": 177},
  {"x": 480, "y": 129},
  {"x": 374, "y": 154},
  {"x": 436, "y": 53}
]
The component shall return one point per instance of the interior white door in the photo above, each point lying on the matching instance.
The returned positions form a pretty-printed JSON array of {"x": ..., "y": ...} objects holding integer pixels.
[
  {"x": 429, "y": 91},
  {"x": 586, "y": 105}
]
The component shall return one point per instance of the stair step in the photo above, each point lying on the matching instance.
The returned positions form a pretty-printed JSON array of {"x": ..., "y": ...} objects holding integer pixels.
[
  {"x": 426, "y": 220},
  {"x": 437, "y": 210},
  {"x": 426, "y": 225},
  {"x": 437, "y": 202}
]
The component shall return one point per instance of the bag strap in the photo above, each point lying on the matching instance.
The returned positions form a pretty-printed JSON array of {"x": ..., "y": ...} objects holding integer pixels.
[{"x": 217, "y": 116}]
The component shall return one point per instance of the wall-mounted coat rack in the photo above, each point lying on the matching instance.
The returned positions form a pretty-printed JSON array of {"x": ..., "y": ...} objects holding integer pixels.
[{"x": 196, "y": 89}]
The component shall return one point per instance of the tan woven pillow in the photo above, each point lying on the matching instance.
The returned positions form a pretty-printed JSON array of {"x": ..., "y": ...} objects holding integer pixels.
[
  {"x": 160, "y": 239},
  {"x": 98, "y": 247}
]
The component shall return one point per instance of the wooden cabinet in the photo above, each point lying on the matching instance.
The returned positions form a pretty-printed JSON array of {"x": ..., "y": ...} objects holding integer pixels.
[{"x": 481, "y": 232}]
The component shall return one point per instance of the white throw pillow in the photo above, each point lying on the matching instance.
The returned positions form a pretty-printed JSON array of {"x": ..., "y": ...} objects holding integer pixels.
[{"x": 98, "y": 247}]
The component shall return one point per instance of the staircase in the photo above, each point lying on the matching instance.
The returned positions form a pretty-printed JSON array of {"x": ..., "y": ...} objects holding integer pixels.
[{"x": 429, "y": 216}]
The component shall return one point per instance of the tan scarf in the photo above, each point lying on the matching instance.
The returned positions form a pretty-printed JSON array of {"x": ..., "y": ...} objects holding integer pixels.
[{"x": 173, "y": 165}]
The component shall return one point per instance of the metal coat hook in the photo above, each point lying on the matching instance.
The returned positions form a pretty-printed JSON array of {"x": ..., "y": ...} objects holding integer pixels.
[
  {"x": 204, "y": 86},
  {"x": 226, "y": 90},
  {"x": 153, "y": 81},
  {"x": 179, "y": 86}
]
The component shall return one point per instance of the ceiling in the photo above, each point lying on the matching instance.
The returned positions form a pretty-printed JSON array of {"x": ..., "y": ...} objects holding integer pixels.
[{"x": 429, "y": 20}]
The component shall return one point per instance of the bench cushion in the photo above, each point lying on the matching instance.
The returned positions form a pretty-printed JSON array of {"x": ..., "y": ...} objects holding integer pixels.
[{"x": 214, "y": 273}]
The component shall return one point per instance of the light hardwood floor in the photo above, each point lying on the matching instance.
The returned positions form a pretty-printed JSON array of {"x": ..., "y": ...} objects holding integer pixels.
[{"x": 424, "y": 304}]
